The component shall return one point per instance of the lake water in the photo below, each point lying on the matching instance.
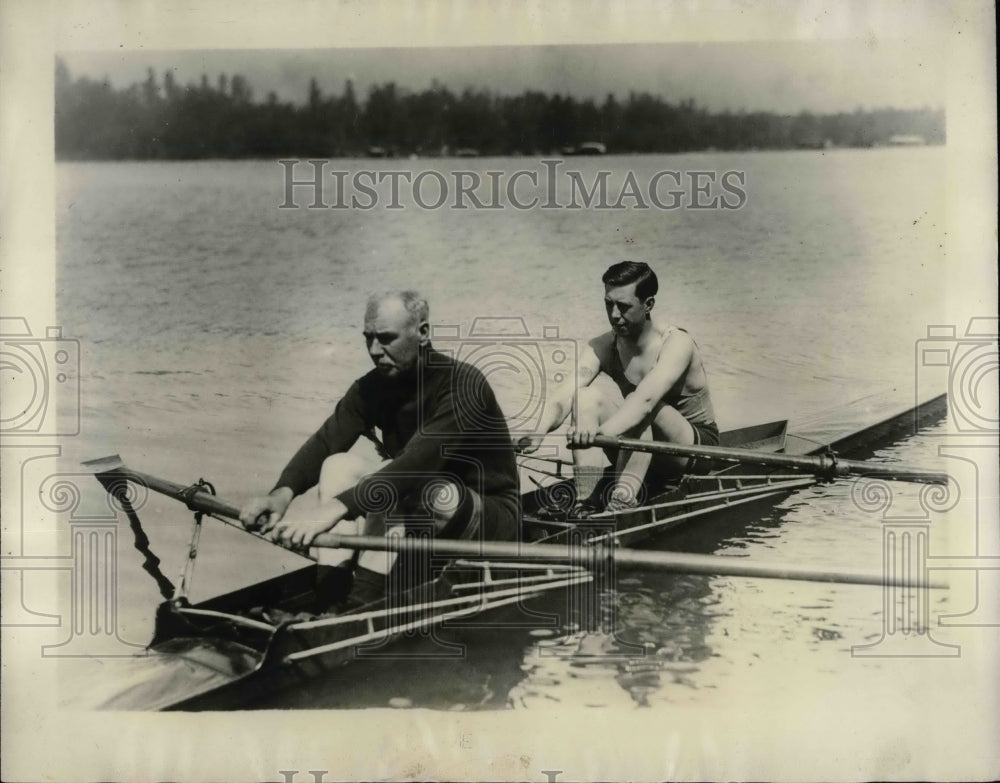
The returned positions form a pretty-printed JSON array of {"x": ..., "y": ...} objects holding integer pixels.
[{"x": 217, "y": 331}]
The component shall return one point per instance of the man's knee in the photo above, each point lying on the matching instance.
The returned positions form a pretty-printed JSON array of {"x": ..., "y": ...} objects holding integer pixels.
[
  {"x": 591, "y": 401},
  {"x": 445, "y": 499},
  {"x": 341, "y": 471},
  {"x": 346, "y": 463},
  {"x": 669, "y": 425},
  {"x": 453, "y": 507}
]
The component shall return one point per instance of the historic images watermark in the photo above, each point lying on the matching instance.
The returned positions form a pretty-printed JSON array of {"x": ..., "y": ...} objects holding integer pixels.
[
  {"x": 317, "y": 184},
  {"x": 41, "y": 395},
  {"x": 966, "y": 364},
  {"x": 86, "y": 615},
  {"x": 527, "y": 369},
  {"x": 509, "y": 356},
  {"x": 36, "y": 371}
]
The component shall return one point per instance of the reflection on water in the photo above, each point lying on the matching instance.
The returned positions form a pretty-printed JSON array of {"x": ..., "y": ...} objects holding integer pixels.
[
  {"x": 656, "y": 641},
  {"x": 678, "y": 635}
]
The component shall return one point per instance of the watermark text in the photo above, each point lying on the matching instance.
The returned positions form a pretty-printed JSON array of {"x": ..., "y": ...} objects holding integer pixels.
[{"x": 318, "y": 184}]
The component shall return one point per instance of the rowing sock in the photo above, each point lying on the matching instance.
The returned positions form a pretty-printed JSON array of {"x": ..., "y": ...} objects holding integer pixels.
[{"x": 587, "y": 478}]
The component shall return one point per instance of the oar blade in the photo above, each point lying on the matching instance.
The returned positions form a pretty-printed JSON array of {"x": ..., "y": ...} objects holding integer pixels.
[{"x": 101, "y": 465}]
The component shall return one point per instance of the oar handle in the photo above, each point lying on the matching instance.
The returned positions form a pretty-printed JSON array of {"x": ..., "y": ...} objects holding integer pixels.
[{"x": 828, "y": 465}]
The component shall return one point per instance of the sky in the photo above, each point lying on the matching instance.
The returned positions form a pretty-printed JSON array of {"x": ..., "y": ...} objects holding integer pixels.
[{"x": 781, "y": 76}]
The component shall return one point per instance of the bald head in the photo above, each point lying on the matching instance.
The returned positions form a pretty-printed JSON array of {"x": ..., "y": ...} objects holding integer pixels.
[{"x": 410, "y": 301}]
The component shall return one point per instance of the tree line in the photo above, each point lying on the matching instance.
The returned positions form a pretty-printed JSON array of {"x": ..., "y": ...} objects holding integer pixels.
[{"x": 161, "y": 119}]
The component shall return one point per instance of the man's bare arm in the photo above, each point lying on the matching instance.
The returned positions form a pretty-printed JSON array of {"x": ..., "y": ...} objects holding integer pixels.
[{"x": 559, "y": 402}]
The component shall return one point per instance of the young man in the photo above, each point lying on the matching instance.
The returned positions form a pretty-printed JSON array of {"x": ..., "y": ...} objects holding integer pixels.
[
  {"x": 438, "y": 468},
  {"x": 664, "y": 395}
]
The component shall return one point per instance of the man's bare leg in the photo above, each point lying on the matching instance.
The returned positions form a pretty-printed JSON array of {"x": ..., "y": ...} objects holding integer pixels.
[
  {"x": 670, "y": 426},
  {"x": 340, "y": 472},
  {"x": 591, "y": 408},
  {"x": 630, "y": 470},
  {"x": 667, "y": 425}
]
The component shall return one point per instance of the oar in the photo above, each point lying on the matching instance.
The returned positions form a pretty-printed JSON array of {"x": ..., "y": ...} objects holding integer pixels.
[
  {"x": 679, "y": 562},
  {"x": 110, "y": 470},
  {"x": 827, "y": 465},
  {"x": 195, "y": 497}
]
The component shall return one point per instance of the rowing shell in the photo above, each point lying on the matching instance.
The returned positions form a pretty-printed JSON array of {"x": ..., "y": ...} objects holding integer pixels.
[{"x": 220, "y": 652}]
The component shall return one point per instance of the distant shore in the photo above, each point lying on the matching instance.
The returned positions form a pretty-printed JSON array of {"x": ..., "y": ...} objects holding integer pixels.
[{"x": 159, "y": 119}]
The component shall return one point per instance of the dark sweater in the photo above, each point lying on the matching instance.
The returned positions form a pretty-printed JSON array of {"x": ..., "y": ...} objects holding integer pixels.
[{"x": 440, "y": 421}]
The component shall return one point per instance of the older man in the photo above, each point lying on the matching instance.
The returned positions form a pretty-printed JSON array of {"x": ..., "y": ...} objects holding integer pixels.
[
  {"x": 658, "y": 370},
  {"x": 436, "y": 468}
]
